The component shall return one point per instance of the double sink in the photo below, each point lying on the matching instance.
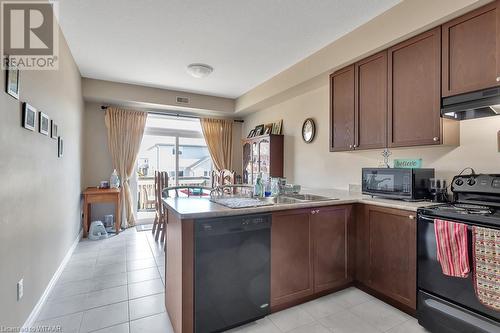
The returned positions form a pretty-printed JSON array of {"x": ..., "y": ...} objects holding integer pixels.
[
  {"x": 296, "y": 198},
  {"x": 287, "y": 199}
]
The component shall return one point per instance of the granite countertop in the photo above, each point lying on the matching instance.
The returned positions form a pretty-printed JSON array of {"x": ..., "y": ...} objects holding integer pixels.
[{"x": 195, "y": 208}]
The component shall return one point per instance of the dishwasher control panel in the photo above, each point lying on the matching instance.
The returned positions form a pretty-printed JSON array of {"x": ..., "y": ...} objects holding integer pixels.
[{"x": 231, "y": 224}]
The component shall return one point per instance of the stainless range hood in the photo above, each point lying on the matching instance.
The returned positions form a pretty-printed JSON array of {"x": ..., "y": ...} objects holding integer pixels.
[{"x": 478, "y": 104}]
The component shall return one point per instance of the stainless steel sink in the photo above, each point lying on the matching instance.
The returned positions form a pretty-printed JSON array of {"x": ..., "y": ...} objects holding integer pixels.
[
  {"x": 308, "y": 197},
  {"x": 280, "y": 200}
]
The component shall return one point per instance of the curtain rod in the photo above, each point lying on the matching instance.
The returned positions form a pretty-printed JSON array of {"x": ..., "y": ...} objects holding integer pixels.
[{"x": 104, "y": 107}]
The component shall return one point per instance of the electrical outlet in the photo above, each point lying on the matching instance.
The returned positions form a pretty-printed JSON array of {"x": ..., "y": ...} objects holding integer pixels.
[{"x": 20, "y": 289}]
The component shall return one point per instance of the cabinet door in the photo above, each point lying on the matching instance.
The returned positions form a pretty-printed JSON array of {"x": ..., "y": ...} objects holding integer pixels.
[
  {"x": 330, "y": 234},
  {"x": 247, "y": 163},
  {"x": 291, "y": 258},
  {"x": 371, "y": 102},
  {"x": 471, "y": 51},
  {"x": 414, "y": 91},
  {"x": 342, "y": 109},
  {"x": 264, "y": 157},
  {"x": 392, "y": 258}
]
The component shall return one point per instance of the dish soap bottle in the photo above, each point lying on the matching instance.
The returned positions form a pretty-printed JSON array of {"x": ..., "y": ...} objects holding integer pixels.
[
  {"x": 114, "y": 181},
  {"x": 258, "y": 188}
]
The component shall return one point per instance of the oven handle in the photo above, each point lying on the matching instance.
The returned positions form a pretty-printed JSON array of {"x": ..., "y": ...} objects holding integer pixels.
[
  {"x": 469, "y": 225},
  {"x": 423, "y": 217}
]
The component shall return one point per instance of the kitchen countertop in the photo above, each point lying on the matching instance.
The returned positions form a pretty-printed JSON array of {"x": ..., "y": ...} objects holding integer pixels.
[{"x": 195, "y": 208}]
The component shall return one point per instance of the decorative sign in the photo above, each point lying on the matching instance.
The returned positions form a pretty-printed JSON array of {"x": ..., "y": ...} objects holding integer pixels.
[{"x": 408, "y": 163}]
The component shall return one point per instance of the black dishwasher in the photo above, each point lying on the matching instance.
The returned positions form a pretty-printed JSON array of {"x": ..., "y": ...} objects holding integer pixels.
[{"x": 232, "y": 271}]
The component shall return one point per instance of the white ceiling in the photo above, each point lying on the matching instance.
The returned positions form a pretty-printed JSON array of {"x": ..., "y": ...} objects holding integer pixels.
[{"x": 150, "y": 42}]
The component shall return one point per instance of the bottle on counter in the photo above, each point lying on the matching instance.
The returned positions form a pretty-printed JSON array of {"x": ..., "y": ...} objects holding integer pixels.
[
  {"x": 267, "y": 187},
  {"x": 258, "y": 189}
]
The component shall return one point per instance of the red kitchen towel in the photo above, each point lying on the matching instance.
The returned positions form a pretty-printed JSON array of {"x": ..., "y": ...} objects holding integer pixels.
[
  {"x": 486, "y": 256},
  {"x": 452, "y": 254}
]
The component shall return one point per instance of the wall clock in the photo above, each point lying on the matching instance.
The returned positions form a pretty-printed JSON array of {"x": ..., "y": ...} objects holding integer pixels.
[{"x": 308, "y": 130}]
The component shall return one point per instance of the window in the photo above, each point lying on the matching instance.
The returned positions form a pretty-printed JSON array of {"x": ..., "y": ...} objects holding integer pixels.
[{"x": 175, "y": 145}]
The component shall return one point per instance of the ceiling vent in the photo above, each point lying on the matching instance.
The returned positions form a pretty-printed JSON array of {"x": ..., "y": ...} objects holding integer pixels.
[{"x": 182, "y": 100}]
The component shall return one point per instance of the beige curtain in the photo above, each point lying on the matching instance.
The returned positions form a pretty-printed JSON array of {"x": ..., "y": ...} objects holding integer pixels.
[
  {"x": 219, "y": 137},
  {"x": 125, "y": 131}
]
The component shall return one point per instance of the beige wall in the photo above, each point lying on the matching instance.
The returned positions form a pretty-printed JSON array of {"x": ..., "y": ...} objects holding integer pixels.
[
  {"x": 314, "y": 166},
  {"x": 97, "y": 163},
  {"x": 39, "y": 193},
  {"x": 137, "y": 96}
]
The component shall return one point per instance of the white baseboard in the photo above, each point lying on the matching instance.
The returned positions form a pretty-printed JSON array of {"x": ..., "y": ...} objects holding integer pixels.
[{"x": 36, "y": 310}]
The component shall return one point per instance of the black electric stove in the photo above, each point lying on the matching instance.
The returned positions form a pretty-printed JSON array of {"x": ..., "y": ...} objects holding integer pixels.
[
  {"x": 478, "y": 214},
  {"x": 449, "y": 304}
]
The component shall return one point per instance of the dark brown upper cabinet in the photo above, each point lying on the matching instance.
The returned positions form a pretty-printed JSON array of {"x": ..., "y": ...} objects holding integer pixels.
[
  {"x": 414, "y": 97},
  {"x": 342, "y": 109},
  {"x": 471, "y": 51},
  {"x": 371, "y": 102}
]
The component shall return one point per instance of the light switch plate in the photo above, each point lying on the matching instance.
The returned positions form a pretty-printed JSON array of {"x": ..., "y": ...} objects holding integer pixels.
[{"x": 20, "y": 289}]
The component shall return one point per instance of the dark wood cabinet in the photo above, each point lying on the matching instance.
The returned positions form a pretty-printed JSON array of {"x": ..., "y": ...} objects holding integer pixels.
[
  {"x": 291, "y": 257},
  {"x": 262, "y": 154},
  {"x": 471, "y": 51},
  {"x": 342, "y": 109},
  {"x": 386, "y": 253},
  {"x": 414, "y": 91},
  {"x": 331, "y": 247},
  {"x": 371, "y": 102},
  {"x": 311, "y": 253}
]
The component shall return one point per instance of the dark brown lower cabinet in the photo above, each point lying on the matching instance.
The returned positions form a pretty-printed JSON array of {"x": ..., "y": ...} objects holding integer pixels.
[
  {"x": 310, "y": 253},
  {"x": 291, "y": 257},
  {"x": 331, "y": 241},
  {"x": 386, "y": 253}
]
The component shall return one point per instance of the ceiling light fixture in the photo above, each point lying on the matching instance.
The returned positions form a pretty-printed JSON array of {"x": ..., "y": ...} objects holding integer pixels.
[{"x": 199, "y": 70}]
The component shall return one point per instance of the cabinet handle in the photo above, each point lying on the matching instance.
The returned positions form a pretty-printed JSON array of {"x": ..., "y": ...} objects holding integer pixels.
[
  {"x": 498, "y": 78},
  {"x": 436, "y": 139},
  {"x": 411, "y": 217},
  {"x": 355, "y": 146},
  {"x": 350, "y": 146},
  {"x": 315, "y": 211}
]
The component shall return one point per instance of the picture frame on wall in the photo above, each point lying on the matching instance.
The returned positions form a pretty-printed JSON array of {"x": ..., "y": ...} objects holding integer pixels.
[
  {"x": 12, "y": 81},
  {"x": 29, "y": 117},
  {"x": 53, "y": 130},
  {"x": 60, "y": 147},
  {"x": 44, "y": 124}
]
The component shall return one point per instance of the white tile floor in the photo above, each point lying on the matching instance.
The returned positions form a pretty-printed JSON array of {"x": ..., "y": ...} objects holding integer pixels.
[
  {"x": 113, "y": 285},
  {"x": 117, "y": 286}
]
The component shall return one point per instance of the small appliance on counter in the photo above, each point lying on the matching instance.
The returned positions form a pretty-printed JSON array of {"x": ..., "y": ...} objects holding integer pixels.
[
  {"x": 450, "y": 304},
  {"x": 439, "y": 190},
  {"x": 397, "y": 183}
]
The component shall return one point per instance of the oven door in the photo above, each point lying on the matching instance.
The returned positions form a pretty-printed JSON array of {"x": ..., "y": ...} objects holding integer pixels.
[
  {"x": 390, "y": 182},
  {"x": 458, "y": 291}
]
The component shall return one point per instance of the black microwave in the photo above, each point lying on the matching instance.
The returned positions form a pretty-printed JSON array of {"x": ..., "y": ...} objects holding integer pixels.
[{"x": 397, "y": 183}]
